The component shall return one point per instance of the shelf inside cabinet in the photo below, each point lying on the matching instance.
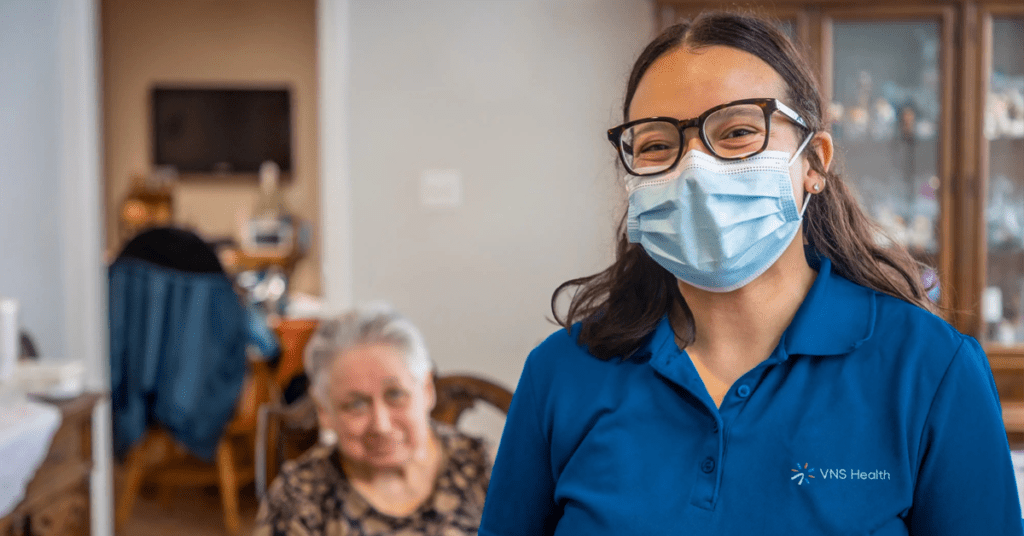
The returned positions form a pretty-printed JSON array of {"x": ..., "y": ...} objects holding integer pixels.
[
  {"x": 1013, "y": 416},
  {"x": 1007, "y": 362}
]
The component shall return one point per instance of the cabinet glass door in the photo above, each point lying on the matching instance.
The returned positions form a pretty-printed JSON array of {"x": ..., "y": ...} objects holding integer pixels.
[
  {"x": 1002, "y": 303},
  {"x": 887, "y": 123}
]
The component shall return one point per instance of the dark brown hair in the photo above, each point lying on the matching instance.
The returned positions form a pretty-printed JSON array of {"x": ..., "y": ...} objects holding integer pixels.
[{"x": 620, "y": 306}]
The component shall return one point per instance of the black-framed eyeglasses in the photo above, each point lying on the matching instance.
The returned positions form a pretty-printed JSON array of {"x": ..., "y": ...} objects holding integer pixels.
[{"x": 730, "y": 131}]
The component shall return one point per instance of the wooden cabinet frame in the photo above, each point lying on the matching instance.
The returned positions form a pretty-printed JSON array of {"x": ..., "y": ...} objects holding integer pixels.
[{"x": 977, "y": 158}]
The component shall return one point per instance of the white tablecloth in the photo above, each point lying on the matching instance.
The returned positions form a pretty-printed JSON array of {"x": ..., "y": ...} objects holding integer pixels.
[
  {"x": 26, "y": 430},
  {"x": 1018, "y": 467}
]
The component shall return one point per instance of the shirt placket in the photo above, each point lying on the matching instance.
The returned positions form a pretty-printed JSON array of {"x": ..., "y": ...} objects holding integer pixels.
[
  {"x": 676, "y": 367},
  {"x": 712, "y": 452}
]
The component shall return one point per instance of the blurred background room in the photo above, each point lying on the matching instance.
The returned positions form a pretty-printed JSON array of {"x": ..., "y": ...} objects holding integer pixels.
[{"x": 289, "y": 158}]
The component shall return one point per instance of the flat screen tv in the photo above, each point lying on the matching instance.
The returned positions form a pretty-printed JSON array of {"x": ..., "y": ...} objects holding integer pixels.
[{"x": 221, "y": 130}]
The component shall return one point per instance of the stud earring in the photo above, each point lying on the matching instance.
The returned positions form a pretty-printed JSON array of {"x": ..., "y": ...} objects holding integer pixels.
[
  {"x": 328, "y": 437},
  {"x": 817, "y": 186}
]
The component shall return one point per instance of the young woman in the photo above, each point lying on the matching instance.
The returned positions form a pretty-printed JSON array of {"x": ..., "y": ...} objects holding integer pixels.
[{"x": 753, "y": 362}]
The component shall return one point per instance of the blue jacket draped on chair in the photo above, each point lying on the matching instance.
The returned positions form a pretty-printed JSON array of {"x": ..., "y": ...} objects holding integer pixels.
[{"x": 177, "y": 351}]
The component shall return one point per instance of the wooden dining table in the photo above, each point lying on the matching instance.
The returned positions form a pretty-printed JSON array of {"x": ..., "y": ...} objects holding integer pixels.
[{"x": 57, "y": 498}]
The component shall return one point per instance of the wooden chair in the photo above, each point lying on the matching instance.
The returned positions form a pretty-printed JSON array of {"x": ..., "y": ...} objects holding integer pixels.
[
  {"x": 285, "y": 432},
  {"x": 152, "y": 330},
  {"x": 456, "y": 394},
  {"x": 157, "y": 459}
]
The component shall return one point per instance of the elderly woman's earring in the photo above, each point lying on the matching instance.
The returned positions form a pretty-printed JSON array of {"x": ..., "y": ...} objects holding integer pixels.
[{"x": 328, "y": 437}]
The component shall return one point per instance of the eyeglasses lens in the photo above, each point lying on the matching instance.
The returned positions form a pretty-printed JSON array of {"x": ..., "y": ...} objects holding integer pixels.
[
  {"x": 736, "y": 131},
  {"x": 651, "y": 147}
]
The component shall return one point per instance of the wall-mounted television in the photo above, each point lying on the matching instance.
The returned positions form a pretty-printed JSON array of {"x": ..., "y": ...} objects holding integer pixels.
[{"x": 221, "y": 130}]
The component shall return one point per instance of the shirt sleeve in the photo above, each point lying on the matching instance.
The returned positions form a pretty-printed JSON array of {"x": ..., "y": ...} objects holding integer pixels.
[
  {"x": 520, "y": 498},
  {"x": 965, "y": 481}
]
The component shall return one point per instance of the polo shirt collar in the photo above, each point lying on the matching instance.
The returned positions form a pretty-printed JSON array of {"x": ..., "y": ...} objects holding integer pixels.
[{"x": 836, "y": 317}]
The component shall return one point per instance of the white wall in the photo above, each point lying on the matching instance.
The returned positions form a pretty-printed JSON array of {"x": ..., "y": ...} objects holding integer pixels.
[
  {"x": 30, "y": 249},
  {"x": 516, "y": 95},
  {"x": 50, "y": 243}
]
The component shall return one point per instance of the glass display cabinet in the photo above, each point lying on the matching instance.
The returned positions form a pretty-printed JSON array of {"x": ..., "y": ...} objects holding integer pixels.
[
  {"x": 1003, "y": 140},
  {"x": 997, "y": 270},
  {"x": 890, "y": 120},
  {"x": 926, "y": 105}
]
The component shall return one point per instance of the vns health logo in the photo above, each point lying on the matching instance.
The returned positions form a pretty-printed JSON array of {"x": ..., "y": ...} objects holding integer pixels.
[{"x": 802, "y": 472}]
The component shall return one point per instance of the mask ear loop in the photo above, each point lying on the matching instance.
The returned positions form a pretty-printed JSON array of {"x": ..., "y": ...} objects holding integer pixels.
[
  {"x": 807, "y": 195},
  {"x": 800, "y": 149},
  {"x": 807, "y": 198}
]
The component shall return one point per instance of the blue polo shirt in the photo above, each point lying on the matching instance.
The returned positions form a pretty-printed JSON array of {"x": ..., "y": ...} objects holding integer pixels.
[{"x": 872, "y": 416}]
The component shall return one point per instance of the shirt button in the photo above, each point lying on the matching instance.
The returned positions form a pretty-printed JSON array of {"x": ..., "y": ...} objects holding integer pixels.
[
  {"x": 714, "y": 426},
  {"x": 708, "y": 465},
  {"x": 743, "y": 391}
]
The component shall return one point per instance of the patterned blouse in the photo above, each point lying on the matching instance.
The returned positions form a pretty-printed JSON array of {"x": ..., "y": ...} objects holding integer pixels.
[{"x": 312, "y": 496}]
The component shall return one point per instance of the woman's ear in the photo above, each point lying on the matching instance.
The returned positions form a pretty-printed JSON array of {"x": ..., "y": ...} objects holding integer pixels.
[
  {"x": 430, "y": 391},
  {"x": 822, "y": 146},
  {"x": 327, "y": 434},
  {"x": 322, "y": 415}
]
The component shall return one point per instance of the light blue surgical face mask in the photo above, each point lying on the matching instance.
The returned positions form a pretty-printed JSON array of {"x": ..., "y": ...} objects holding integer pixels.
[{"x": 716, "y": 224}]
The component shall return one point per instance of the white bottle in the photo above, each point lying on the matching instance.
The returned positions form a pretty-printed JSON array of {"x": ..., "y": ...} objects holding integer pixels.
[
  {"x": 270, "y": 203},
  {"x": 8, "y": 337},
  {"x": 270, "y": 225}
]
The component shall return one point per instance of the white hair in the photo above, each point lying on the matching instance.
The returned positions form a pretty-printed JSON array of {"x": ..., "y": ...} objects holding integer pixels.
[{"x": 375, "y": 323}]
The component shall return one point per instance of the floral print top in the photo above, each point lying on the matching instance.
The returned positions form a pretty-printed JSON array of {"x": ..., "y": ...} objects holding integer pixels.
[{"x": 312, "y": 496}]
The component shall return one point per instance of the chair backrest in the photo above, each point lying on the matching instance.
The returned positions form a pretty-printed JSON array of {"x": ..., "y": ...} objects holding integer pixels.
[
  {"x": 284, "y": 432},
  {"x": 294, "y": 334},
  {"x": 456, "y": 394},
  {"x": 172, "y": 247},
  {"x": 177, "y": 341}
]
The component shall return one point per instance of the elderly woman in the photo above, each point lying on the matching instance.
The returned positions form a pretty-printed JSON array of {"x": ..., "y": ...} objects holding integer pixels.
[{"x": 389, "y": 469}]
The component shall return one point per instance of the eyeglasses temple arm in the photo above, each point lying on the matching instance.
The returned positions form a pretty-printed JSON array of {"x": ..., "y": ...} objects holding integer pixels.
[{"x": 790, "y": 113}]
